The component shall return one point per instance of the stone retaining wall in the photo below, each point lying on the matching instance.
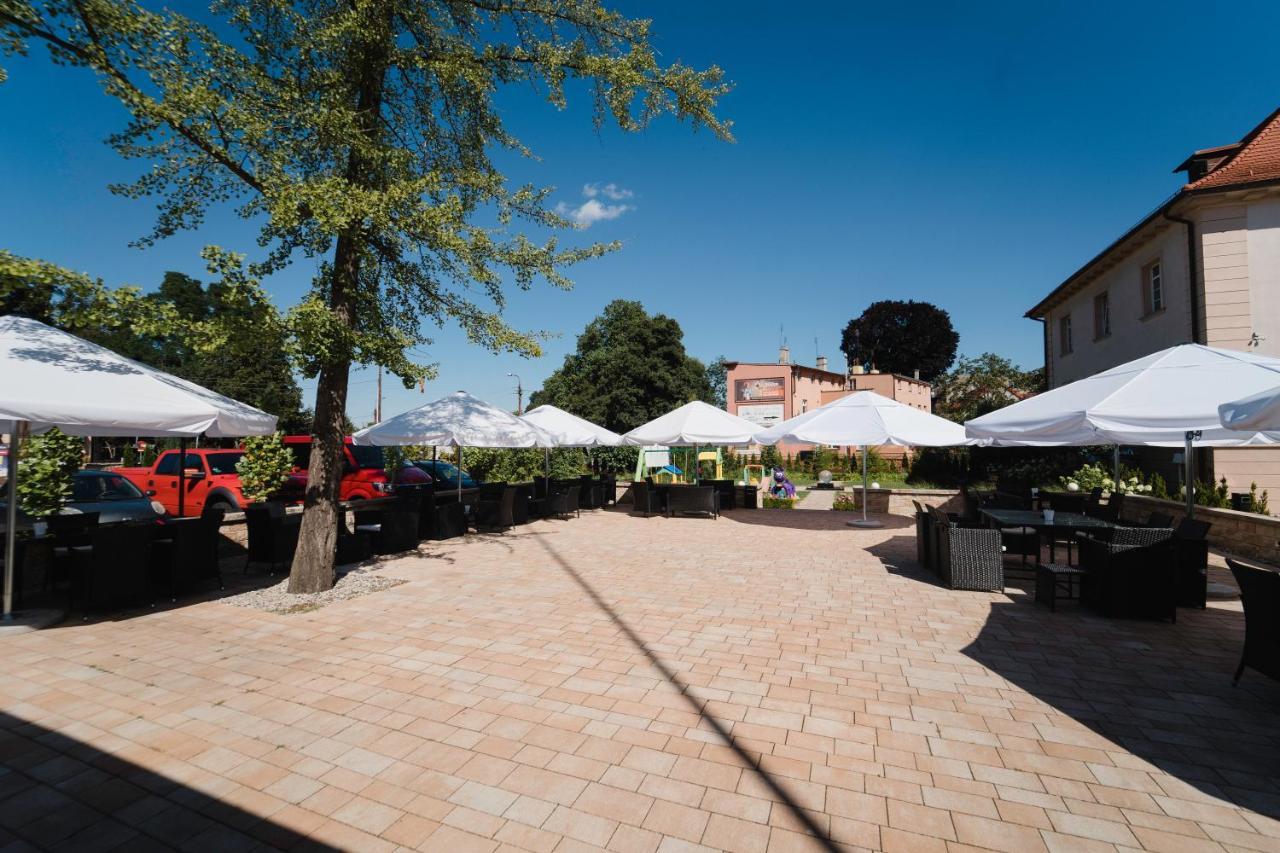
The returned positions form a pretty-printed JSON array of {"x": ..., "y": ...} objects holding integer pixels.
[{"x": 1241, "y": 534}]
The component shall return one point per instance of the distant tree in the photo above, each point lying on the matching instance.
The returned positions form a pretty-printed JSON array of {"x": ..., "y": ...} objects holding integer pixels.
[
  {"x": 983, "y": 384},
  {"x": 629, "y": 368},
  {"x": 718, "y": 379},
  {"x": 901, "y": 337}
]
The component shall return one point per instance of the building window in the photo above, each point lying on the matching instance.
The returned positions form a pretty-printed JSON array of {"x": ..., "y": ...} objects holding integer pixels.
[
  {"x": 1152, "y": 288},
  {"x": 1101, "y": 315},
  {"x": 1064, "y": 336}
]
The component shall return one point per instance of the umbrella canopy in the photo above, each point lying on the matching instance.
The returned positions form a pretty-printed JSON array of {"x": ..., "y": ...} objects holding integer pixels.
[
  {"x": 1255, "y": 413},
  {"x": 570, "y": 430},
  {"x": 694, "y": 424},
  {"x": 458, "y": 420},
  {"x": 1155, "y": 400},
  {"x": 52, "y": 378},
  {"x": 866, "y": 418}
]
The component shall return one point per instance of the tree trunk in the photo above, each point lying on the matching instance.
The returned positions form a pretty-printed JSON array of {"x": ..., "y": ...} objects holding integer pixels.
[{"x": 313, "y": 562}]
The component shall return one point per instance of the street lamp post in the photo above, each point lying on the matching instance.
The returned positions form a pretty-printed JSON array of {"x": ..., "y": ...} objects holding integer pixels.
[{"x": 519, "y": 393}]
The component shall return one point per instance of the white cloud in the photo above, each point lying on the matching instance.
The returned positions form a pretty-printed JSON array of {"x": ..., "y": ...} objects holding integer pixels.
[
  {"x": 611, "y": 191},
  {"x": 593, "y": 210}
]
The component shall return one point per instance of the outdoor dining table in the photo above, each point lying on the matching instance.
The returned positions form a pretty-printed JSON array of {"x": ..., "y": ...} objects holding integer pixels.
[{"x": 1067, "y": 523}]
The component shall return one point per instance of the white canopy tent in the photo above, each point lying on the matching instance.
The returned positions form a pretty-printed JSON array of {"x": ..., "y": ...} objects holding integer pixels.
[
  {"x": 1254, "y": 413},
  {"x": 694, "y": 424},
  {"x": 55, "y": 379},
  {"x": 569, "y": 430},
  {"x": 866, "y": 419},
  {"x": 1167, "y": 399},
  {"x": 458, "y": 420}
]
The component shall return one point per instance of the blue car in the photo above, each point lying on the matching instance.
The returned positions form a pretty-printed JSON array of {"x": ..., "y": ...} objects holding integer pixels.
[{"x": 445, "y": 474}]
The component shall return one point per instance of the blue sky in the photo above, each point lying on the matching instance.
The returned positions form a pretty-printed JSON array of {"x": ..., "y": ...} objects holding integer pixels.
[{"x": 972, "y": 155}]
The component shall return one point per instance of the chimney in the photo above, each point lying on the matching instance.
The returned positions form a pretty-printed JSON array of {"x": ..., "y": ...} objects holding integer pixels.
[
  {"x": 916, "y": 373},
  {"x": 784, "y": 354},
  {"x": 822, "y": 362},
  {"x": 857, "y": 370}
]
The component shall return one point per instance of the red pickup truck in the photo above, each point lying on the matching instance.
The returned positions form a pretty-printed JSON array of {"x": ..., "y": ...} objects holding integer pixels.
[{"x": 212, "y": 480}]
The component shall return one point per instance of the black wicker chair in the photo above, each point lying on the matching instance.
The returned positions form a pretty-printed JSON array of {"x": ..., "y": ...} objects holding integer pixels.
[
  {"x": 1260, "y": 595},
  {"x": 693, "y": 500},
  {"x": 1159, "y": 519},
  {"x": 1067, "y": 502},
  {"x": 521, "y": 511},
  {"x": 588, "y": 492},
  {"x": 113, "y": 572},
  {"x": 609, "y": 490},
  {"x": 645, "y": 498},
  {"x": 189, "y": 554},
  {"x": 496, "y": 509},
  {"x": 1130, "y": 573},
  {"x": 272, "y": 539},
  {"x": 726, "y": 490},
  {"x": 924, "y": 535},
  {"x": 566, "y": 498},
  {"x": 391, "y": 530},
  {"x": 967, "y": 557}
]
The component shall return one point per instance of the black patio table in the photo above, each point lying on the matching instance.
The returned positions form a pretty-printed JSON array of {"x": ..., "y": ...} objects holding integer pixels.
[{"x": 1063, "y": 522}]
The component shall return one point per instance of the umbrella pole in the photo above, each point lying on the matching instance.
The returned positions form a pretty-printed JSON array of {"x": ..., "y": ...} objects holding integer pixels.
[
  {"x": 865, "y": 522},
  {"x": 1115, "y": 466},
  {"x": 1188, "y": 461},
  {"x": 459, "y": 473},
  {"x": 546, "y": 461},
  {"x": 182, "y": 477},
  {"x": 11, "y": 525}
]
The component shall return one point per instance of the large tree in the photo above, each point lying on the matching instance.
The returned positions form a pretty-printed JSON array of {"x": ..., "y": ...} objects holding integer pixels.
[
  {"x": 629, "y": 367},
  {"x": 981, "y": 384},
  {"x": 362, "y": 132},
  {"x": 901, "y": 337}
]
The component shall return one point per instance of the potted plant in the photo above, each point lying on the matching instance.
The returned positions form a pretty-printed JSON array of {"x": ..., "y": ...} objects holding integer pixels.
[
  {"x": 45, "y": 470},
  {"x": 264, "y": 468}
]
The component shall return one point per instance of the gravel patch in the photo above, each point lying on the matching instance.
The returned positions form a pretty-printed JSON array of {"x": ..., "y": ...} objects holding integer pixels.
[{"x": 352, "y": 583}]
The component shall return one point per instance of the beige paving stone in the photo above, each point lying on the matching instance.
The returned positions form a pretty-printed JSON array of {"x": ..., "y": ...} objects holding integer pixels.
[{"x": 490, "y": 702}]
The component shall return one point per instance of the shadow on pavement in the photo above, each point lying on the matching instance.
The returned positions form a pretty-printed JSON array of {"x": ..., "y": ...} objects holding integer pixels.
[{"x": 58, "y": 793}]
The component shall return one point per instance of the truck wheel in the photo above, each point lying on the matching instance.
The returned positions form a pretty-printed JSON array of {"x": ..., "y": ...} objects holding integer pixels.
[{"x": 220, "y": 504}]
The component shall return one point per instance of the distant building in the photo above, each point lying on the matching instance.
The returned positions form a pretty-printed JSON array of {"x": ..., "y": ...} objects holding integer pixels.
[
  {"x": 769, "y": 393},
  {"x": 1203, "y": 267}
]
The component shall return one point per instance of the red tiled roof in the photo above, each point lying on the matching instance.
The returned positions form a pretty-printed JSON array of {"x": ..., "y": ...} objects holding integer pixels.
[{"x": 1257, "y": 159}]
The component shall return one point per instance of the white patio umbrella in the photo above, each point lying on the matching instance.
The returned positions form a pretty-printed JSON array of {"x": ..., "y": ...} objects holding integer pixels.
[
  {"x": 1254, "y": 413},
  {"x": 1167, "y": 399},
  {"x": 55, "y": 379},
  {"x": 693, "y": 425},
  {"x": 458, "y": 420},
  {"x": 569, "y": 430},
  {"x": 866, "y": 419}
]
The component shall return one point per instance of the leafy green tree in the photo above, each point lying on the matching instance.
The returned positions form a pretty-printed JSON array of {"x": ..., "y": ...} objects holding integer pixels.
[
  {"x": 363, "y": 132},
  {"x": 718, "y": 379},
  {"x": 629, "y": 368},
  {"x": 901, "y": 337},
  {"x": 226, "y": 336},
  {"x": 45, "y": 468},
  {"x": 982, "y": 384}
]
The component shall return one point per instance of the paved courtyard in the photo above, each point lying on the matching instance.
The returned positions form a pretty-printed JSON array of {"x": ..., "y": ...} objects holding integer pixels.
[{"x": 768, "y": 681}]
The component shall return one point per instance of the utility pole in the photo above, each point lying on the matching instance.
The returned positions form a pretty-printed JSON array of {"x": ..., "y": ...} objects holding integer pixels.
[
  {"x": 377, "y": 412},
  {"x": 519, "y": 394}
]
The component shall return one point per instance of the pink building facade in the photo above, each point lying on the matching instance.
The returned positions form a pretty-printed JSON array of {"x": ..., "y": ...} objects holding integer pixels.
[{"x": 769, "y": 393}]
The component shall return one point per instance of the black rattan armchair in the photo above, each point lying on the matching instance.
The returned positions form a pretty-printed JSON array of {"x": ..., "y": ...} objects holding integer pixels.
[
  {"x": 1260, "y": 594},
  {"x": 496, "y": 509},
  {"x": 967, "y": 557},
  {"x": 645, "y": 498},
  {"x": 1191, "y": 550},
  {"x": 693, "y": 500},
  {"x": 1130, "y": 573},
  {"x": 113, "y": 572},
  {"x": 272, "y": 540}
]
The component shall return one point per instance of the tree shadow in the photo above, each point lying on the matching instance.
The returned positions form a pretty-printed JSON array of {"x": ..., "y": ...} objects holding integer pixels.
[
  {"x": 752, "y": 761},
  {"x": 59, "y": 793}
]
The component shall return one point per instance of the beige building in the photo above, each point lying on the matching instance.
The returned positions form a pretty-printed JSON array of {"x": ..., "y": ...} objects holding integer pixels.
[
  {"x": 1203, "y": 267},
  {"x": 767, "y": 393}
]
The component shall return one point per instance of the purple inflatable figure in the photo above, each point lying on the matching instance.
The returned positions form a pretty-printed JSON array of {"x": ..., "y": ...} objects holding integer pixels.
[{"x": 782, "y": 487}]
